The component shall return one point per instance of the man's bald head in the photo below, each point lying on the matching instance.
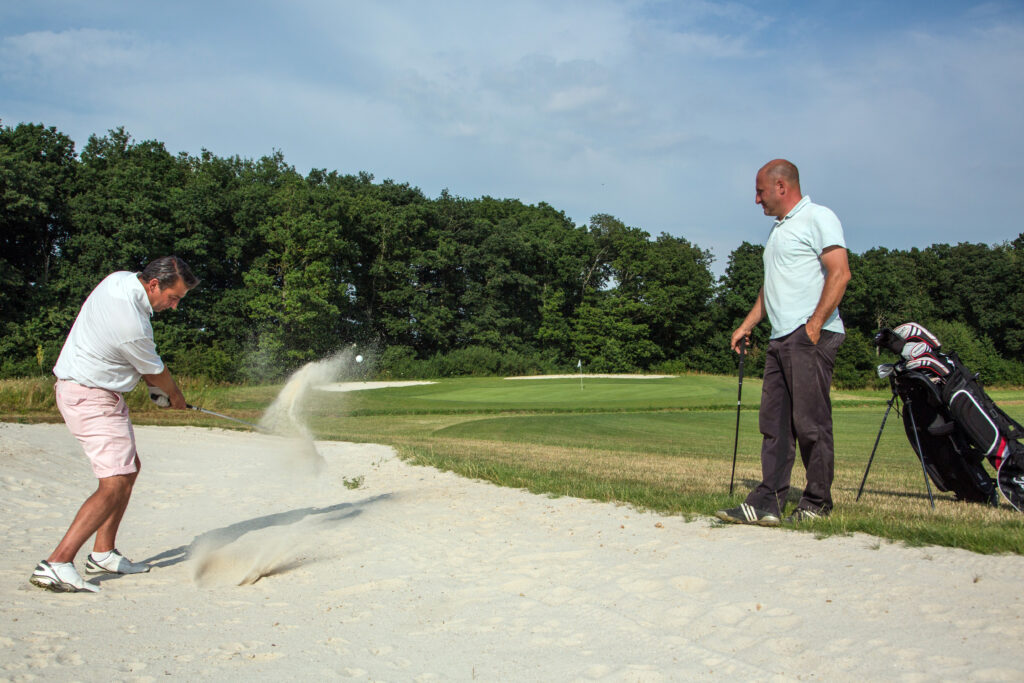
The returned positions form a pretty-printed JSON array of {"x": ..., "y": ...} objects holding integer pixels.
[
  {"x": 778, "y": 187},
  {"x": 782, "y": 169}
]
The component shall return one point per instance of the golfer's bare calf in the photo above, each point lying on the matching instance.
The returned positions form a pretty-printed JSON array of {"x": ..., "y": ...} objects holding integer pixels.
[{"x": 100, "y": 514}]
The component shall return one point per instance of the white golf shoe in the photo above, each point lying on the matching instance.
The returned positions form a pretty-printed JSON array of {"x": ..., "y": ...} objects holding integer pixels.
[
  {"x": 113, "y": 563},
  {"x": 61, "y": 577}
]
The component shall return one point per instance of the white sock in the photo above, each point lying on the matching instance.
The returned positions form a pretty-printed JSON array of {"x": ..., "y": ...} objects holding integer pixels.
[{"x": 99, "y": 557}]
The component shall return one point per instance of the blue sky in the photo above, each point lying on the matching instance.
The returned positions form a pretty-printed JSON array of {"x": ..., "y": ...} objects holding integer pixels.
[{"x": 904, "y": 117}]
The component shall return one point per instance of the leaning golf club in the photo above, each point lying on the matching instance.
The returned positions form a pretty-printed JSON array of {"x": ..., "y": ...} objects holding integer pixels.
[
  {"x": 739, "y": 398},
  {"x": 227, "y": 417}
]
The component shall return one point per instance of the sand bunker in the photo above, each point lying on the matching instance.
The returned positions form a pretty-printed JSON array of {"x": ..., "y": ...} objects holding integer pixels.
[{"x": 379, "y": 570}]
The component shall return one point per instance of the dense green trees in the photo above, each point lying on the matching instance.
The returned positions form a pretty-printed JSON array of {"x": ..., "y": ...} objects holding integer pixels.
[{"x": 296, "y": 267}]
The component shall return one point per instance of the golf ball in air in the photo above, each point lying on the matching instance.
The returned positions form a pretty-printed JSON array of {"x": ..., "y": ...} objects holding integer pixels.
[{"x": 359, "y": 359}]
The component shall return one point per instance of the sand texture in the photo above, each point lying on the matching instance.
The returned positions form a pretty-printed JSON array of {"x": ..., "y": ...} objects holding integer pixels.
[{"x": 266, "y": 571}]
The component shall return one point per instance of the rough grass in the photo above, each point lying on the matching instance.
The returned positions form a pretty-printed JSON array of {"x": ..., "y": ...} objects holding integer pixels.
[{"x": 664, "y": 445}]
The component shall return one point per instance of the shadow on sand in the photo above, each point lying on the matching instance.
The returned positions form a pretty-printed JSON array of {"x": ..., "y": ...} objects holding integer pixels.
[{"x": 218, "y": 538}]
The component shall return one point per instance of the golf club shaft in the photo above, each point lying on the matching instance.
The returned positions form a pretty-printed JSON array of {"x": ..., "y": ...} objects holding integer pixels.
[
  {"x": 226, "y": 417},
  {"x": 739, "y": 399}
]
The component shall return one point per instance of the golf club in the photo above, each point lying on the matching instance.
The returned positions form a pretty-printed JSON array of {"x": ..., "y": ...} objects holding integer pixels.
[
  {"x": 228, "y": 417},
  {"x": 739, "y": 398}
]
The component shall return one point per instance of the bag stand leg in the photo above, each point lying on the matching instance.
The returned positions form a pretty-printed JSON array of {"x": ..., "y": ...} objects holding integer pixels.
[
  {"x": 877, "y": 439},
  {"x": 920, "y": 453}
]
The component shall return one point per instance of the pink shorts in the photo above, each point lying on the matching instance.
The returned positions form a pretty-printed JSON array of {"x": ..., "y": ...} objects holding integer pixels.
[{"x": 98, "y": 418}]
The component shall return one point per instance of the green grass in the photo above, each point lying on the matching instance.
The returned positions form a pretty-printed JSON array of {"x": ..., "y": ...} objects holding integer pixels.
[
  {"x": 484, "y": 395},
  {"x": 659, "y": 444}
]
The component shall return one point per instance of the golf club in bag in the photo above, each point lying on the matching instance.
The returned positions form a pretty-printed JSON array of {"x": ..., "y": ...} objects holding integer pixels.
[{"x": 951, "y": 423}]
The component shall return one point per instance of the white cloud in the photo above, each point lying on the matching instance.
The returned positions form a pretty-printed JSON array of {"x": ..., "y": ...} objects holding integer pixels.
[
  {"x": 72, "y": 54},
  {"x": 574, "y": 98},
  {"x": 657, "y": 112}
]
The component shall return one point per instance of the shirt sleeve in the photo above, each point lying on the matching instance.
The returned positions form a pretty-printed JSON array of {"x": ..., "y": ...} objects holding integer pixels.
[
  {"x": 141, "y": 354},
  {"x": 827, "y": 231}
]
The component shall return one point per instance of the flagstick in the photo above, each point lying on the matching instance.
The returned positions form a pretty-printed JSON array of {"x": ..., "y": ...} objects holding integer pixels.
[{"x": 580, "y": 363}]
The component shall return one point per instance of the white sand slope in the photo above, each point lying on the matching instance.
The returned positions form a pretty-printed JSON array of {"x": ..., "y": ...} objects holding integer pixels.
[{"x": 421, "y": 575}]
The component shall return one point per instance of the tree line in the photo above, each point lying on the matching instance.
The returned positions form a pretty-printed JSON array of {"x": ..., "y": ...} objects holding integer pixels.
[{"x": 295, "y": 267}]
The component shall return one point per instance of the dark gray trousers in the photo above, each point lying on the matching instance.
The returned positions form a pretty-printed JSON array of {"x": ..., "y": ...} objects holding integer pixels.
[{"x": 796, "y": 410}]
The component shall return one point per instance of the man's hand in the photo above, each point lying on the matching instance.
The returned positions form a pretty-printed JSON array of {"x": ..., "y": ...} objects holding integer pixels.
[
  {"x": 166, "y": 385},
  {"x": 737, "y": 335},
  {"x": 813, "y": 331},
  {"x": 159, "y": 397},
  {"x": 749, "y": 323}
]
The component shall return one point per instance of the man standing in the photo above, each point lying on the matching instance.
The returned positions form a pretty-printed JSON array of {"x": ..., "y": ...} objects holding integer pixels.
[
  {"x": 805, "y": 275},
  {"x": 110, "y": 347}
]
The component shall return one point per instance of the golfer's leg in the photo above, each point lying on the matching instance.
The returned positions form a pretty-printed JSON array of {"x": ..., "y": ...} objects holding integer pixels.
[
  {"x": 777, "y": 452},
  {"x": 111, "y": 494},
  {"x": 812, "y": 415},
  {"x": 106, "y": 535}
]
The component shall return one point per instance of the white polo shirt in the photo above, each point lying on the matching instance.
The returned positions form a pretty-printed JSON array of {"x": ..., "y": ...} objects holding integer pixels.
[
  {"x": 794, "y": 276},
  {"x": 111, "y": 345}
]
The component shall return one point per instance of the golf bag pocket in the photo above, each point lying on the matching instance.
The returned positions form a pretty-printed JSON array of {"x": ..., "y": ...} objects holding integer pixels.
[{"x": 991, "y": 430}]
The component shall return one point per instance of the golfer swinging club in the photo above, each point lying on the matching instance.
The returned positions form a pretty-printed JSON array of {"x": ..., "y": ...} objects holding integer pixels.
[
  {"x": 805, "y": 275},
  {"x": 110, "y": 347}
]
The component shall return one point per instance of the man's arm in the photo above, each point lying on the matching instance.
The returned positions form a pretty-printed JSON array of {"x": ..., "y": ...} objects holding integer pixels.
[
  {"x": 755, "y": 316},
  {"x": 167, "y": 383},
  {"x": 837, "y": 275}
]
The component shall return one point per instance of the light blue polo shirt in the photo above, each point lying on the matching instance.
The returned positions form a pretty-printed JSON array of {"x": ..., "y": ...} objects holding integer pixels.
[{"x": 793, "y": 273}]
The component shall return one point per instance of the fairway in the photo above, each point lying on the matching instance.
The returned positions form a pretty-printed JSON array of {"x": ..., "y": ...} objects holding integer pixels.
[
  {"x": 691, "y": 433},
  {"x": 592, "y": 392}
]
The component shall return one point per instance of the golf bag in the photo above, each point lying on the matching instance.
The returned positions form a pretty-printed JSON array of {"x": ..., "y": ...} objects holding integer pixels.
[{"x": 951, "y": 423}]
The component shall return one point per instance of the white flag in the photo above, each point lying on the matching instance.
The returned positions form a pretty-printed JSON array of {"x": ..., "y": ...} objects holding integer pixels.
[{"x": 579, "y": 363}]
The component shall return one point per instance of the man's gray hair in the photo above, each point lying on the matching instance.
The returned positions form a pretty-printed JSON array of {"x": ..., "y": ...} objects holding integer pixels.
[{"x": 167, "y": 270}]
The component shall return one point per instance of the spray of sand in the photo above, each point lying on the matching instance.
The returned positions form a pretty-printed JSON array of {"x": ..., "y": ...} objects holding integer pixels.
[
  {"x": 256, "y": 554},
  {"x": 243, "y": 560},
  {"x": 286, "y": 416}
]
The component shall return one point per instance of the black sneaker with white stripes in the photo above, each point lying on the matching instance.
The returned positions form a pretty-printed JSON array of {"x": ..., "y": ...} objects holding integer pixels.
[
  {"x": 804, "y": 515},
  {"x": 748, "y": 514}
]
